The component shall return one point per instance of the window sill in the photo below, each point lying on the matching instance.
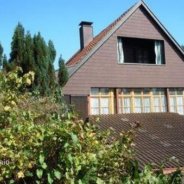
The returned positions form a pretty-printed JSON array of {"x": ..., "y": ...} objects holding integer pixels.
[{"x": 144, "y": 64}]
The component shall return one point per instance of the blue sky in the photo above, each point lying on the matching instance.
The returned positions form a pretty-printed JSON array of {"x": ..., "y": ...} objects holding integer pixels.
[{"x": 58, "y": 19}]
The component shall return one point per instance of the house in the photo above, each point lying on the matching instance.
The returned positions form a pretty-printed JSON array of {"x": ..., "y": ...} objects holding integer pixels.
[{"x": 132, "y": 66}]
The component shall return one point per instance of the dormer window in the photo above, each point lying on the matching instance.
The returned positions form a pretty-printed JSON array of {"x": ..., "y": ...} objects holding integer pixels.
[{"x": 143, "y": 51}]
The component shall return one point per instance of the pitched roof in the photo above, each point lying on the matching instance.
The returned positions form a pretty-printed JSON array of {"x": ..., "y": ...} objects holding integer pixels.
[
  {"x": 81, "y": 53},
  {"x": 160, "y": 136},
  {"x": 81, "y": 56}
]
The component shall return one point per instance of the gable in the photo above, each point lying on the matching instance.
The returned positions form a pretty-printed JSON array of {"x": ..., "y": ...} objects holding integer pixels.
[
  {"x": 81, "y": 56},
  {"x": 99, "y": 67}
]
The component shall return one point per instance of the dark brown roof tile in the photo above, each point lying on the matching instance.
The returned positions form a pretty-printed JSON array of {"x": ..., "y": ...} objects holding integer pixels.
[{"x": 159, "y": 137}]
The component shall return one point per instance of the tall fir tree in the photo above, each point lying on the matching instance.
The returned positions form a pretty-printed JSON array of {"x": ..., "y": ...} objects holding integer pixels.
[
  {"x": 28, "y": 63},
  {"x": 62, "y": 73},
  {"x": 17, "y": 46},
  {"x": 6, "y": 65},
  {"x": 51, "y": 71},
  {"x": 1, "y": 56},
  {"x": 41, "y": 63}
]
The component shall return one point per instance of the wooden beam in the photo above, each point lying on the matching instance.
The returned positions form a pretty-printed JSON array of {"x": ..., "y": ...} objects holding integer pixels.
[{"x": 167, "y": 100}]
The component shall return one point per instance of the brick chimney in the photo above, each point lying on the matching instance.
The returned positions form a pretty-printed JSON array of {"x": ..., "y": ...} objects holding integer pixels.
[{"x": 86, "y": 33}]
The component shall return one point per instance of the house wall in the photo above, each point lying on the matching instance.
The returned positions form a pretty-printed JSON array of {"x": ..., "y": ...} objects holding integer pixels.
[
  {"x": 79, "y": 103},
  {"x": 102, "y": 69}
]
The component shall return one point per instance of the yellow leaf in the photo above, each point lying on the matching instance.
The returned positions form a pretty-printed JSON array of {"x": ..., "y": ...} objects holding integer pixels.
[
  {"x": 20, "y": 174},
  {"x": 7, "y": 108},
  {"x": 28, "y": 81},
  {"x": 13, "y": 103}
]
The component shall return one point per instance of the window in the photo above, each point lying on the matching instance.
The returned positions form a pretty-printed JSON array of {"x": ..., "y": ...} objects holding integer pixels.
[
  {"x": 137, "y": 104},
  {"x": 159, "y": 100},
  {"x": 176, "y": 99},
  {"x": 125, "y": 101},
  {"x": 142, "y": 100},
  {"x": 134, "y": 50},
  {"x": 101, "y": 101}
]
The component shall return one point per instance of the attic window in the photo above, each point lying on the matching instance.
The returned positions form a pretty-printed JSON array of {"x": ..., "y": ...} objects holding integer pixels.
[{"x": 145, "y": 51}]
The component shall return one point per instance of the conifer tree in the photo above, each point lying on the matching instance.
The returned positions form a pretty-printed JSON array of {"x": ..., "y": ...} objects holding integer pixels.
[
  {"x": 6, "y": 65},
  {"x": 28, "y": 63},
  {"x": 17, "y": 46},
  {"x": 1, "y": 56},
  {"x": 33, "y": 54},
  {"x": 62, "y": 73},
  {"x": 41, "y": 63},
  {"x": 51, "y": 71}
]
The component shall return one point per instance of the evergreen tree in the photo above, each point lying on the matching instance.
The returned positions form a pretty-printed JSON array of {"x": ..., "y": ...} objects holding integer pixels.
[
  {"x": 62, "y": 73},
  {"x": 51, "y": 71},
  {"x": 28, "y": 63},
  {"x": 6, "y": 65},
  {"x": 33, "y": 54},
  {"x": 41, "y": 63},
  {"x": 1, "y": 56},
  {"x": 17, "y": 46},
  {"x": 52, "y": 51}
]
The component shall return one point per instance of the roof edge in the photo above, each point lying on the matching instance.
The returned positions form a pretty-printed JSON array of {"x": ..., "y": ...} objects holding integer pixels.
[{"x": 163, "y": 27}]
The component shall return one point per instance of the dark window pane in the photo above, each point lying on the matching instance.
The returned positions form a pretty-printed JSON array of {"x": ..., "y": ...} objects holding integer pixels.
[
  {"x": 126, "y": 91},
  {"x": 146, "y": 91},
  {"x": 104, "y": 91},
  {"x": 156, "y": 91},
  {"x": 95, "y": 91},
  {"x": 137, "y": 50},
  {"x": 172, "y": 91},
  {"x": 180, "y": 91},
  {"x": 137, "y": 91}
]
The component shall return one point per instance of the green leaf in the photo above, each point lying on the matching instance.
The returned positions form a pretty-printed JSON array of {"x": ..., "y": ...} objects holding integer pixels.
[
  {"x": 70, "y": 158},
  {"x": 57, "y": 174},
  {"x": 11, "y": 181},
  {"x": 44, "y": 165},
  {"x": 80, "y": 182},
  {"x": 39, "y": 173},
  {"x": 74, "y": 137},
  {"x": 99, "y": 181},
  {"x": 49, "y": 179},
  {"x": 41, "y": 159},
  {"x": 66, "y": 145}
]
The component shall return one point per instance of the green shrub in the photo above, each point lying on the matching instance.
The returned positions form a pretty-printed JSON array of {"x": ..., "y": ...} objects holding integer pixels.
[{"x": 40, "y": 142}]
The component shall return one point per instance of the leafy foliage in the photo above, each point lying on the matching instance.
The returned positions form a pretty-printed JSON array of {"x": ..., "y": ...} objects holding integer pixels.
[{"x": 43, "y": 142}]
